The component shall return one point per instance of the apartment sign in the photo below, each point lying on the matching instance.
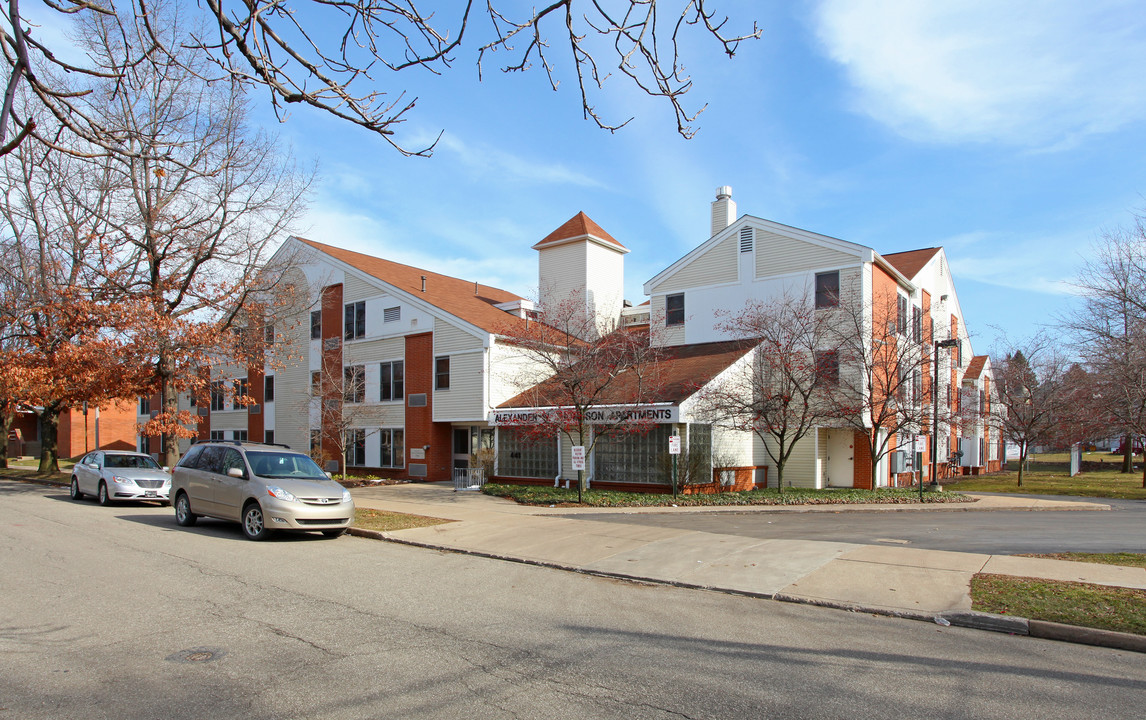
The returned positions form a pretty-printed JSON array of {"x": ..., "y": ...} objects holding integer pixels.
[{"x": 654, "y": 414}]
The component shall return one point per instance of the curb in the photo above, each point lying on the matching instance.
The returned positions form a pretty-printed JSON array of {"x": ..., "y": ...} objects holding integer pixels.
[{"x": 958, "y": 618}]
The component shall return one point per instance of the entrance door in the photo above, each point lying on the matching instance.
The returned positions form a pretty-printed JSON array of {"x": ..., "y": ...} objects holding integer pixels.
[
  {"x": 461, "y": 448},
  {"x": 841, "y": 455}
]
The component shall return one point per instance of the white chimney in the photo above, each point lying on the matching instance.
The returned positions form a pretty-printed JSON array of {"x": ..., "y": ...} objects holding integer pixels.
[{"x": 723, "y": 209}]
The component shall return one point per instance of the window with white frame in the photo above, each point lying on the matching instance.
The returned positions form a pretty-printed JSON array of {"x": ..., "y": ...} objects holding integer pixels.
[{"x": 218, "y": 396}]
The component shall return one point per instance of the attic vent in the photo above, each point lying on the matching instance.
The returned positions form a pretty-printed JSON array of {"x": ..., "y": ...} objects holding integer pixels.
[
  {"x": 942, "y": 267},
  {"x": 393, "y": 314},
  {"x": 746, "y": 235}
]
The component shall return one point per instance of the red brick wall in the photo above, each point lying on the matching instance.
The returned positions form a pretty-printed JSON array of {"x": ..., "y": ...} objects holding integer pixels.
[
  {"x": 861, "y": 464},
  {"x": 421, "y": 430},
  {"x": 332, "y": 314},
  {"x": 117, "y": 428}
]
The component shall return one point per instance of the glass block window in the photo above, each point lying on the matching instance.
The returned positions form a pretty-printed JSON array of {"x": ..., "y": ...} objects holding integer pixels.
[
  {"x": 634, "y": 457},
  {"x": 517, "y": 457}
]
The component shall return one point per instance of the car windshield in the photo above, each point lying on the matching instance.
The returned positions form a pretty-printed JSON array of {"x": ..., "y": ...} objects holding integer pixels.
[
  {"x": 284, "y": 464},
  {"x": 130, "y": 461}
]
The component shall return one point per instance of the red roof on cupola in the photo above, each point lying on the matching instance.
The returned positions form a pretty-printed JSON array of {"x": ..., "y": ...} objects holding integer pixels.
[{"x": 580, "y": 226}]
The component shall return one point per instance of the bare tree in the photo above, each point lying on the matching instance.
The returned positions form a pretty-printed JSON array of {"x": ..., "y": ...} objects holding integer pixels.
[
  {"x": 64, "y": 342},
  {"x": 189, "y": 207},
  {"x": 779, "y": 393},
  {"x": 1109, "y": 328},
  {"x": 1031, "y": 398},
  {"x": 334, "y": 400},
  {"x": 328, "y": 54},
  {"x": 881, "y": 360},
  {"x": 581, "y": 388}
]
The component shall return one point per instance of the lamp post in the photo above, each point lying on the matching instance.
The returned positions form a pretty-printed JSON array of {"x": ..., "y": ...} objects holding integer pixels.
[{"x": 948, "y": 343}]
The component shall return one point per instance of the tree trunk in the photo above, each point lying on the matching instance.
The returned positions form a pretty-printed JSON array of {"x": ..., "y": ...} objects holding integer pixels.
[
  {"x": 49, "y": 433},
  {"x": 169, "y": 401},
  {"x": 1022, "y": 461},
  {"x": 7, "y": 420},
  {"x": 1127, "y": 453}
]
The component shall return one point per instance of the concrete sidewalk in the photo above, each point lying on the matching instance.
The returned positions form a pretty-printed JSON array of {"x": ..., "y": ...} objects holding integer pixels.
[{"x": 898, "y": 581}]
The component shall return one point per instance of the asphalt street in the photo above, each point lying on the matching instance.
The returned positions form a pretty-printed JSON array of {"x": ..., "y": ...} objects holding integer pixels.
[
  {"x": 119, "y": 613},
  {"x": 1123, "y": 529}
]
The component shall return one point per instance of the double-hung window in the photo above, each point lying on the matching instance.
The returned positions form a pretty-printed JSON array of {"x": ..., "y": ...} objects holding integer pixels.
[
  {"x": 392, "y": 380},
  {"x": 316, "y": 325},
  {"x": 442, "y": 372},
  {"x": 674, "y": 309},
  {"x": 269, "y": 389}
]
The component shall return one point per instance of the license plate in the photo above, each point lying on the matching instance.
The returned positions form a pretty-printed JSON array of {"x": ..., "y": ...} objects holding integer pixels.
[{"x": 150, "y": 493}]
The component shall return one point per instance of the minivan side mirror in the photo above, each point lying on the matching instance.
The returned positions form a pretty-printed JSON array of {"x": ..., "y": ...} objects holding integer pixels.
[
  {"x": 166, "y": 469},
  {"x": 235, "y": 472}
]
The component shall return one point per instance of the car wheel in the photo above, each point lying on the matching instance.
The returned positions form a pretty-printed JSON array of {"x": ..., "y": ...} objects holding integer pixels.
[
  {"x": 75, "y": 491},
  {"x": 254, "y": 526},
  {"x": 334, "y": 533},
  {"x": 183, "y": 514},
  {"x": 103, "y": 496}
]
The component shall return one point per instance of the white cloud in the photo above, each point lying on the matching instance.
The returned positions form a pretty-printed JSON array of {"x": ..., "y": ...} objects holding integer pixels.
[
  {"x": 505, "y": 166},
  {"x": 1030, "y": 74},
  {"x": 1039, "y": 264}
]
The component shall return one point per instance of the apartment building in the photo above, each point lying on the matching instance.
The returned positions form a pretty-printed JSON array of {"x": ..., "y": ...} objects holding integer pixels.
[{"x": 423, "y": 383}]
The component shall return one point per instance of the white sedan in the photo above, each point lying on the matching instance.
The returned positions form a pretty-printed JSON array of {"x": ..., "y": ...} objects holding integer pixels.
[{"x": 112, "y": 475}]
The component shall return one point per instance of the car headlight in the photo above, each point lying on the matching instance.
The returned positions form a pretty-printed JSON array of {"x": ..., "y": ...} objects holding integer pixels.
[
  {"x": 122, "y": 480},
  {"x": 346, "y": 495},
  {"x": 281, "y": 494}
]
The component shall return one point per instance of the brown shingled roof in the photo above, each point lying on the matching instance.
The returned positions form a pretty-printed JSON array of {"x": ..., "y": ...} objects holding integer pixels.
[
  {"x": 975, "y": 369},
  {"x": 462, "y": 298},
  {"x": 683, "y": 370},
  {"x": 912, "y": 261},
  {"x": 580, "y": 225}
]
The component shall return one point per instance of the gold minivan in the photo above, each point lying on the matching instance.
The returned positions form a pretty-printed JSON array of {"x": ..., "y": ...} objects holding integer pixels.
[{"x": 265, "y": 488}]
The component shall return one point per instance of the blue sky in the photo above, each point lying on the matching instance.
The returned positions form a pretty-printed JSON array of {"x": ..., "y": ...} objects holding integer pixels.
[{"x": 1011, "y": 136}]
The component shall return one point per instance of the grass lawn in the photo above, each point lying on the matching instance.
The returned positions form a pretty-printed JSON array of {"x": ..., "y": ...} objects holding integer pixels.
[
  {"x": 1072, "y": 603},
  {"x": 1122, "y": 558},
  {"x": 26, "y": 470},
  {"x": 1050, "y": 475},
  {"x": 548, "y": 495},
  {"x": 384, "y": 521}
]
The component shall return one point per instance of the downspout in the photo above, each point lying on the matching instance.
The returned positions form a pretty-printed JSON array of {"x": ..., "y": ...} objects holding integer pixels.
[{"x": 557, "y": 480}]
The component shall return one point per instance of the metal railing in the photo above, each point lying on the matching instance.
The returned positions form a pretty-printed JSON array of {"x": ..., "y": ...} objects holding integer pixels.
[{"x": 468, "y": 478}]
